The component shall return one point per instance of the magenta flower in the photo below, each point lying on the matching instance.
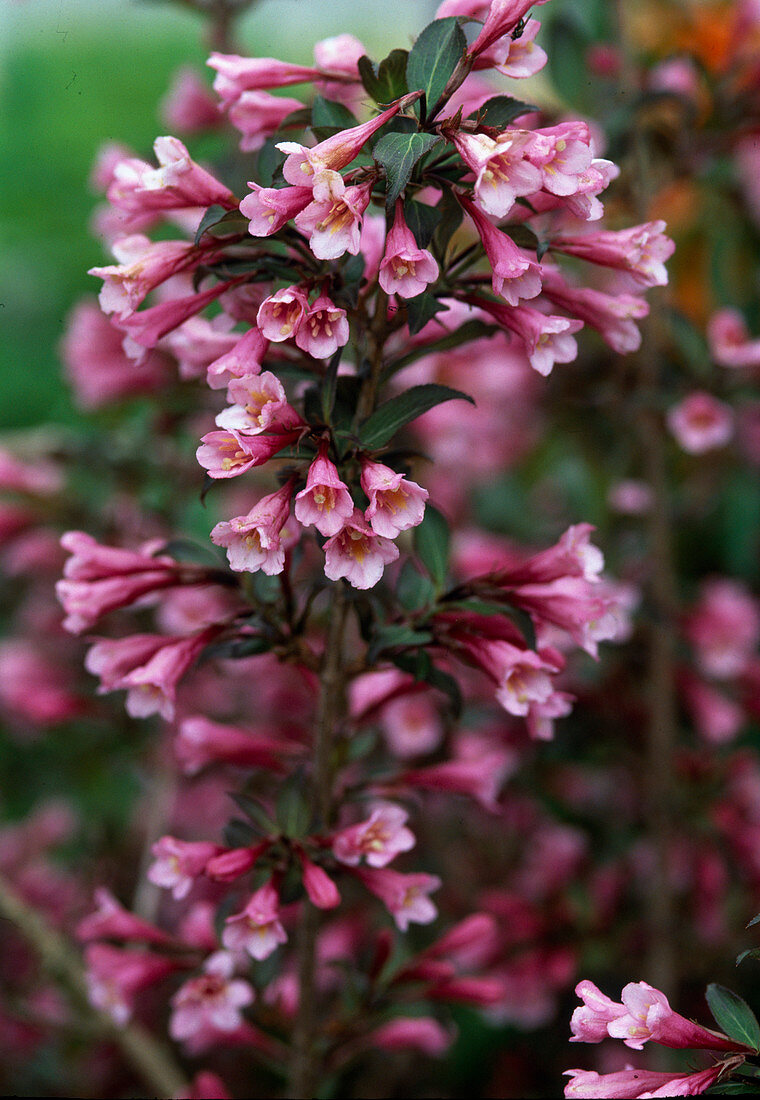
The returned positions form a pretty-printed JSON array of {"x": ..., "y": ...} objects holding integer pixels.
[
  {"x": 201, "y": 742},
  {"x": 324, "y": 329},
  {"x": 640, "y": 1082},
  {"x": 325, "y": 502},
  {"x": 501, "y": 168},
  {"x": 405, "y": 269},
  {"x": 379, "y": 839},
  {"x": 701, "y": 423},
  {"x": 332, "y": 222},
  {"x": 270, "y": 208},
  {"x": 243, "y": 359},
  {"x": 210, "y": 1002},
  {"x": 253, "y": 541},
  {"x": 395, "y": 504},
  {"x": 574, "y": 555},
  {"x": 405, "y": 896},
  {"x": 257, "y": 929},
  {"x": 358, "y": 554},
  {"x": 148, "y": 326},
  {"x": 281, "y": 314}
]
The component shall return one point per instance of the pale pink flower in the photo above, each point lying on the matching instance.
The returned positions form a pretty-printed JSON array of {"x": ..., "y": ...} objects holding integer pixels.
[
  {"x": 574, "y": 555},
  {"x": 503, "y": 16},
  {"x": 178, "y": 863},
  {"x": 198, "y": 342},
  {"x": 258, "y": 114},
  {"x": 148, "y": 326},
  {"x": 547, "y": 339},
  {"x": 253, "y": 541},
  {"x": 717, "y": 718},
  {"x": 230, "y": 453},
  {"x": 513, "y": 275},
  {"x": 395, "y": 504},
  {"x": 257, "y": 929},
  {"x": 332, "y": 222},
  {"x": 571, "y": 604},
  {"x": 729, "y": 340},
  {"x": 502, "y": 172},
  {"x": 405, "y": 896},
  {"x": 630, "y": 497},
  {"x": 34, "y": 688},
  {"x": 700, "y": 423},
  {"x": 281, "y": 314},
  {"x": 540, "y": 718},
  {"x": 324, "y": 329},
  {"x": 259, "y": 405},
  {"x": 524, "y": 57},
  {"x": 379, "y": 839},
  {"x": 212, "y": 1001},
  {"x": 201, "y": 742},
  {"x": 188, "y": 104},
  {"x": 614, "y": 316},
  {"x": 270, "y": 208},
  {"x": 589, "y": 1022},
  {"x": 115, "y": 976},
  {"x": 563, "y": 154},
  {"x": 641, "y": 250},
  {"x": 358, "y": 554},
  {"x": 422, "y": 1033},
  {"x": 236, "y": 74},
  {"x": 178, "y": 182},
  {"x": 724, "y": 628},
  {"x": 523, "y": 677},
  {"x": 325, "y": 502},
  {"x": 411, "y": 725},
  {"x": 640, "y": 1082},
  {"x": 649, "y": 1016},
  {"x": 242, "y": 360},
  {"x": 142, "y": 266},
  {"x": 303, "y": 166},
  {"x": 338, "y": 56},
  {"x": 405, "y": 269},
  {"x": 480, "y": 777}
]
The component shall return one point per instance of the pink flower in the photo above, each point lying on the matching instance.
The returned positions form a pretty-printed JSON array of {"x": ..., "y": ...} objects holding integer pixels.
[
  {"x": 188, "y": 104},
  {"x": 112, "y": 921},
  {"x": 503, "y": 16},
  {"x": 513, "y": 276},
  {"x": 303, "y": 166},
  {"x": 234, "y": 862},
  {"x": 229, "y": 454},
  {"x": 640, "y": 1082},
  {"x": 205, "y": 1086},
  {"x": 243, "y": 359},
  {"x": 649, "y": 1016},
  {"x": 571, "y": 604},
  {"x": 201, "y": 742},
  {"x": 325, "y": 502},
  {"x": 258, "y": 114},
  {"x": 257, "y": 929},
  {"x": 115, "y": 976},
  {"x": 563, "y": 153},
  {"x": 260, "y": 405},
  {"x": 148, "y": 326},
  {"x": 270, "y": 208},
  {"x": 338, "y": 57},
  {"x": 358, "y": 554},
  {"x": 724, "y": 628},
  {"x": 178, "y": 863},
  {"x": 320, "y": 888},
  {"x": 281, "y": 314},
  {"x": 212, "y": 1001},
  {"x": 547, "y": 339},
  {"x": 143, "y": 265},
  {"x": 395, "y": 504},
  {"x": 178, "y": 182},
  {"x": 332, "y": 222},
  {"x": 406, "y": 896},
  {"x": 522, "y": 676},
  {"x": 236, "y": 74},
  {"x": 379, "y": 839},
  {"x": 405, "y": 269},
  {"x": 700, "y": 423},
  {"x": 612, "y": 315},
  {"x": 422, "y": 1033},
  {"x": 253, "y": 541},
  {"x": 502, "y": 172},
  {"x": 729, "y": 340},
  {"x": 641, "y": 250},
  {"x": 324, "y": 329},
  {"x": 574, "y": 555},
  {"x": 479, "y": 777},
  {"x": 589, "y": 1022},
  {"x": 524, "y": 57}
]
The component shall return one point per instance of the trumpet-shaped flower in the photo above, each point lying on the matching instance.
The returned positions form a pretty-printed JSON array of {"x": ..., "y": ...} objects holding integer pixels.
[
  {"x": 358, "y": 554},
  {"x": 395, "y": 504},
  {"x": 405, "y": 269},
  {"x": 325, "y": 502},
  {"x": 253, "y": 541}
]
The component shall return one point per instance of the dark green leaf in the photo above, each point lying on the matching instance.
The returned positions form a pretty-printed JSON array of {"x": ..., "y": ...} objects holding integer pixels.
[
  {"x": 501, "y": 110},
  {"x": 446, "y": 683},
  {"x": 431, "y": 543},
  {"x": 361, "y": 745},
  {"x": 750, "y": 953},
  {"x": 238, "y": 834},
  {"x": 236, "y": 648},
  {"x": 398, "y": 154},
  {"x": 253, "y": 809},
  {"x": 733, "y": 1015},
  {"x": 329, "y": 385},
  {"x": 293, "y": 813},
  {"x": 451, "y": 218},
  {"x": 433, "y": 58},
  {"x": 733, "y": 1088},
  {"x": 400, "y": 410},
  {"x": 325, "y": 113},
  {"x": 187, "y": 550},
  {"x": 422, "y": 220},
  {"x": 755, "y": 920},
  {"x": 522, "y": 236},
  {"x": 387, "y": 80},
  {"x": 230, "y": 220},
  {"x": 413, "y": 591},
  {"x": 395, "y": 636},
  {"x": 416, "y": 662},
  {"x": 268, "y": 164},
  {"x": 421, "y": 309}
]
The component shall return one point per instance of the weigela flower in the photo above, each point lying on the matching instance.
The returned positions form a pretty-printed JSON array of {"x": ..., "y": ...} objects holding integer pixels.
[
  {"x": 332, "y": 222},
  {"x": 325, "y": 502},
  {"x": 281, "y": 314},
  {"x": 242, "y": 360},
  {"x": 270, "y": 208},
  {"x": 303, "y": 166},
  {"x": 236, "y": 74},
  {"x": 406, "y": 896},
  {"x": 231, "y": 453},
  {"x": 729, "y": 340},
  {"x": 323, "y": 330},
  {"x": 198, "y": 342},
  {"x": 632, "y": 1082},
  {"x": 395, "y": 504},
  {"x": 641, "y": 251},
  {"x": 405, "y": 269},
  {"x": 178, "y": 863},
  {"x": 212, "y": 1001},
  {"x": 201, "y": 742},
  {"x": 524, "y": 56},
  {"x": 379, "y": 839},
  {"x": 563, "y": 153},
  {"x": 501, "y": 168},
  {"x": 513, "y": 275},
  {"x": 503, "y": 16},
  {"x": 422, "y": 1033},
  {"x": 257, "y": 929},
  {"x": 612, "y": 315},
  {"x": 112, "y": 921},
  {"x": 253, "y": 541},
  {"x": 258, "y": 114},
  {"x": 115, "y": 976},
  {"x": 143, "y": 265},
  {"x": 258, "y": 405},
  {"x": 547, "y": 339},
  {"x": 188, "y": 104},
  {"x": 358, "y": 554},
  {"x": 319, "y": 887},
  {"x": 700, "y": 423}
]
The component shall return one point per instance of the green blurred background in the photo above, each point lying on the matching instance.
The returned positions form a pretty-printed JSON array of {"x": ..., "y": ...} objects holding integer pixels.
[{"x": 77, "y": 73}]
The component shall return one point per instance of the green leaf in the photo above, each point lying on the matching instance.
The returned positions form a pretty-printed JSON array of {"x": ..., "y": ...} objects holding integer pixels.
[
  {"x": 421, "y": 309},
  {"x": 431, "y": 544},
  {"x": 293, "y": 813},
  {"x": 236, "y": 648},
  {"x": 733, "y": 1015},
  {"x": 253, "y": 809},
  {"x": 433, "y": 58},
  {"x": 750, "y": 953},
  {"x": 230, "y": 220},
  {"x": 755, "y": 920},
  {"x": 451, "y": 218},
  {"x": 398, "y": 154},
  {"x": 413, "y": 591},
  {"x": 395, "y": 636},
  {"x": 422, "y": 220},
  {"x": 469, "y": 331},
  {"x": 501, "y": 110},
  {"x": 268, "y": 164},
  {"x": 566, "y": 45},
  {"x": 325, "y": 113},
  {"x": 522, "y": 236},
  {"x": 387, "y": 80},
  {"x": 329, "y": 385},
  {"x": 238, "y": 834},
  {"x": 446, "y": 683},
  {"x": 400, "y": 410}
]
